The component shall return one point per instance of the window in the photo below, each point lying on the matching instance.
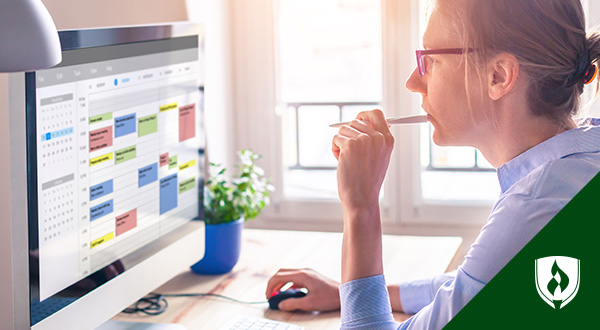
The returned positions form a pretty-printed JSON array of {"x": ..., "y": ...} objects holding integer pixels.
[
  {"x": 591, "y": 103},
  {"x": 329, "y": 69},
  {"x": 453, "y": 173},
  {"x": 461, "y": 173},
  {"x": 302, "y": 65}
]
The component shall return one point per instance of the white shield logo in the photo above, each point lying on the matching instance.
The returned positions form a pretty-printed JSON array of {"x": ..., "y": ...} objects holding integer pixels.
[{"x": 557, "y": 280}]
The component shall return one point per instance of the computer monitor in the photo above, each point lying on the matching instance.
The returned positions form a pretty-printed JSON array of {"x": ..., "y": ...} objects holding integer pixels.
[{"x": 106, "y": 165}]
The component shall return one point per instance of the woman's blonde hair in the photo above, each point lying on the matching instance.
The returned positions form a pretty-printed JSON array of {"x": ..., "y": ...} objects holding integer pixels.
[{"x": 549, "y": 40}]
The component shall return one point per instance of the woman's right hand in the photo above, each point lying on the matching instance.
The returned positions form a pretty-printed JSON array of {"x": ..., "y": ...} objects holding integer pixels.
[
  {"x": 322, "y": 296},
  {"x": 363, "y": 149}
]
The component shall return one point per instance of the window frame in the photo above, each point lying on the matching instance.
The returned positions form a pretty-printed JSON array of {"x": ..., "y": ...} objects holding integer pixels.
[{"x": 255, "y": 104}]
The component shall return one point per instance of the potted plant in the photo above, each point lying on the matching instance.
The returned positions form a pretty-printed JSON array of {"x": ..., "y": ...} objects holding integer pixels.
[{"x": 227, "y": 205}]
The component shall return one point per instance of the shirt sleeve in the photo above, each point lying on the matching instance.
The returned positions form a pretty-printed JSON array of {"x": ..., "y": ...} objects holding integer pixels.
[
  {"x": 512, "y": 224},
  {"x": 365, "y": 304},
  {"x": 417, "y": 294},
  {"x": 514, "y": 220}
]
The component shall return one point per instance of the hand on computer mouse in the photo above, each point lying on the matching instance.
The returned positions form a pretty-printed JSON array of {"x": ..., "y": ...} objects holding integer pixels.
[
  {"x": 280, "y": 296},
  {"x": 322, "y": 296}
]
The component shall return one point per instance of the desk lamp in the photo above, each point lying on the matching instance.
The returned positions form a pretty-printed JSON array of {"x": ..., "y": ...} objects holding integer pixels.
[{"x": 28, "y": 36}]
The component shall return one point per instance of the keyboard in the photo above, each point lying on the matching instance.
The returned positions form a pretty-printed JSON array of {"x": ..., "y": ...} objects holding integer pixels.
[{"x": 243, "y": 322}]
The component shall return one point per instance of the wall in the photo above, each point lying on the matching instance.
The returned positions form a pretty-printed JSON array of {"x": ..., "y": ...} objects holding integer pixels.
[
  {"x": 68, "y": 14},
  {"x": 219, "y": 118}
]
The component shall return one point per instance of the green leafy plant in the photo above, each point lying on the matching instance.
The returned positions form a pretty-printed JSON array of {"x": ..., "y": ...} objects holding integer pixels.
[{"x": 244, "y": 196}]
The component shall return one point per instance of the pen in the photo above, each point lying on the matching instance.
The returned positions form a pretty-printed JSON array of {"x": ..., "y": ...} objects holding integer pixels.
[{"x": 394, "y": 120}]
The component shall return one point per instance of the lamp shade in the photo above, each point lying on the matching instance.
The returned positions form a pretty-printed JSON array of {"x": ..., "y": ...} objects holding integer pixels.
[{"x": 28, "y": 36}]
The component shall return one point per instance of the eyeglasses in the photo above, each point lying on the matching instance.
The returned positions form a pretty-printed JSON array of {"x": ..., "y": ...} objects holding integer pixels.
[{"x": 421, "y": 54}]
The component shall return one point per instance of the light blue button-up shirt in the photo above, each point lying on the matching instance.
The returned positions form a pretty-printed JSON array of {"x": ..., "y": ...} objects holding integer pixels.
[{"x": 535, "y": 186}]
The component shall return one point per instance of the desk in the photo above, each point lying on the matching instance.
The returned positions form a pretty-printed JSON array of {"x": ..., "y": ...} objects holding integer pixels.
[{"x": 266, "y": 251}]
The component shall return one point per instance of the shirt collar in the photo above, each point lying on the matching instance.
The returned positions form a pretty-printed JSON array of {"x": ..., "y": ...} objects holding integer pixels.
[{"x": 579, "y": 140}]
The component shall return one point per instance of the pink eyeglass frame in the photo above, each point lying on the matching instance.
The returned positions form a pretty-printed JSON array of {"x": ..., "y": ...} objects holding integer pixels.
[{"x": 422, "y": 52}]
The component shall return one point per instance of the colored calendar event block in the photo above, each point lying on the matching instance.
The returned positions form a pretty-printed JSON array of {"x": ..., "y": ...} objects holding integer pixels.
[
  {"x": 101, "y": 138},
  {"x": 100, "y": 118},
  {"x": 125, "y": 154},
  {"x": 187, "y": 165},
  {"x": 126, "y": 222},
  {"x": 101, "y": 159},
  {"x": 102, "y": 239},
  {"x": 101, "y": 189},
  {"x": 168, "y": 107},
  {"x": 125, "y": 125},
  {"x": 164, "y": 159},
  {"x": 172, "y": 162},
  {"x": 187, "y": 120},
  {"x": 147, "y": 175},
  {"x": 147, "y": 125},
  {"x": 101, "y": 210},
  {"x": 187, "y": 185},
  {"x": 168, "y": 193}
]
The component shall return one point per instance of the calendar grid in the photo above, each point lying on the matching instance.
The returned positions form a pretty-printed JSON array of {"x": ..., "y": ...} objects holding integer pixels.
[{"x": 112, "y": 156}]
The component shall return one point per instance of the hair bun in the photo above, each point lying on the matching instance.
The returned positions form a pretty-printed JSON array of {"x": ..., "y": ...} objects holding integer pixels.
[{"x": 583, "y": 70}]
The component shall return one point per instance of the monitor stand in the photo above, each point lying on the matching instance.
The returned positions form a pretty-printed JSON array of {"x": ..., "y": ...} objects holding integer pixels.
[{"x": 120, "y": 325}]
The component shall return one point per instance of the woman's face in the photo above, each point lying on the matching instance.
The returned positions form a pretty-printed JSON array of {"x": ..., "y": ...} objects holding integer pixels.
[{"x": 445, "y": 97}]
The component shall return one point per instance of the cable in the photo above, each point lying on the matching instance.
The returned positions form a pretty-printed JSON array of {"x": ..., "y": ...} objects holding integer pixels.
[
  {"x": 155, "y": 303},
  {"x": 152, "y": 304},
  {"x": 213, "y": 295}
]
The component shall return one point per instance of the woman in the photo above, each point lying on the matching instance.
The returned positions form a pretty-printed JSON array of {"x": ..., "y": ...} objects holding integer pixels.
[{"x": 503, "y": 76}]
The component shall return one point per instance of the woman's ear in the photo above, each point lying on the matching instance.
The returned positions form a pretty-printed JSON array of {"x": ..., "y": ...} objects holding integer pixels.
[{"x": 503, "y": 71}]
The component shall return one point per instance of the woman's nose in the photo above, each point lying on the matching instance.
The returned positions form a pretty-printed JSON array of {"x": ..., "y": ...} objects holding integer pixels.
[{"x": 416, "y": 83}]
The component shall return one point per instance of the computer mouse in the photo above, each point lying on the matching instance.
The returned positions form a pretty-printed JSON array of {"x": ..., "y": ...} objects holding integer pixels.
[{"x": 283, "y": 295}]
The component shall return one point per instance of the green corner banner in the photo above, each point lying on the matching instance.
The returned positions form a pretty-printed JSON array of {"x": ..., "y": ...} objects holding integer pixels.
[{"x": 553, "y": 282}]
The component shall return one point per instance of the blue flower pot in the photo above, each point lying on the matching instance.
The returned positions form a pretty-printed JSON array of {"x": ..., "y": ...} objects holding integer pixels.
[{"x": 222, "y": 248}]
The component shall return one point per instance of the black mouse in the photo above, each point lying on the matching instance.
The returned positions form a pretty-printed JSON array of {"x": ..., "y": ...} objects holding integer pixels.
[{"x": 283, "y": 295}]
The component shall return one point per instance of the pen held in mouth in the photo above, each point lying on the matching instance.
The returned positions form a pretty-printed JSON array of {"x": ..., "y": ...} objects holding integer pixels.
[{"x": 394, "y": 120}]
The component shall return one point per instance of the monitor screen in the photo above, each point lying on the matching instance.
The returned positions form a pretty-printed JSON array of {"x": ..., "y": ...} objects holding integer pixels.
[{"x": 114, "y": 159}]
